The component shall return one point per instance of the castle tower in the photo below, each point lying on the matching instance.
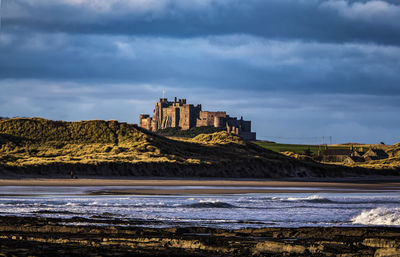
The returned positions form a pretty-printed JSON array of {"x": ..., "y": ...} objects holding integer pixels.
[{"x": 217, "y": 122}]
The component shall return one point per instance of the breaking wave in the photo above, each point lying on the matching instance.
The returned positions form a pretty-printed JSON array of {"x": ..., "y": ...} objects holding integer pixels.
[
  {"x": 320, "y": 199},
  {"x": 312, "y": 199},
  {"x": 54, "y": 212},
  {"x": 210, "y": 205},
  {"x": 379, "y": 216}
]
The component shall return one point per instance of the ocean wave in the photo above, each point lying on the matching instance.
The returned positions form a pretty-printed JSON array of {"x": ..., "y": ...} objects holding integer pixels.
[
  {"x": 379, "y": 216},
  {"x": 369, "y": 202},
  {"x": 71, "y": 204},
  {"x": 211, "y": 204},
  {"x": 320, "y": 199},
  {"x": 54, "y": 212},
  {"x": 312, "y": 199}
]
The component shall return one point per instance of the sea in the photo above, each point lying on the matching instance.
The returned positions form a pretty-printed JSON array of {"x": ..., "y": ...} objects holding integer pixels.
[{"x": 228, "y": 211}]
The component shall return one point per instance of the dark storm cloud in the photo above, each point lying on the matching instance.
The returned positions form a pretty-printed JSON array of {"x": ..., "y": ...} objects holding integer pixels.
[
  {"x": 230, "y": 62},
  {"x": 320, "y": 20}
]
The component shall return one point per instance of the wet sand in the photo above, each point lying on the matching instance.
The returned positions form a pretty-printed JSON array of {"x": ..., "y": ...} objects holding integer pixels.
[{"x": 217, "y": 186}]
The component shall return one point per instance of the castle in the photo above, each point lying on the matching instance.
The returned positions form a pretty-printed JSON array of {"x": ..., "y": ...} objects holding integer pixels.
[{"x": 179, "y": 114}]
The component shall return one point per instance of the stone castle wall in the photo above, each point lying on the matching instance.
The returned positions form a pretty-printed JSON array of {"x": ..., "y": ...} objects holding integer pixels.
[
  {"x": 179, "y": 114},
  {"x": 210, "y": 119}
]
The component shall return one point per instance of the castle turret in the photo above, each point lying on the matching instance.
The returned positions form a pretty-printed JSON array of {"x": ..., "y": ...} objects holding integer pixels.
[
  {"x": 145, "y": 121},
  {"x": 228, "y": 128}
]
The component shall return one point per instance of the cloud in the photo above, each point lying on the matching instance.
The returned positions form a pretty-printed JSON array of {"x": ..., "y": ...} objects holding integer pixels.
[
  {"x": 314, "y": 20},
  {"x": 285, "y": 117},
  {"x": 374, "y": 11},
  {"x": 230, "y": 61},
  {"x": 75, "y": 101},
  {"x": 147, "y": 9},
  {"x": 116, "y": 7}
]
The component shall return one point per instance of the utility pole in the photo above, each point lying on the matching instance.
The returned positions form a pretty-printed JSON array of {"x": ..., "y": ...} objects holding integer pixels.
[
  {"x": 323, "y": 140},
  {"x": 330, "y": 140}
]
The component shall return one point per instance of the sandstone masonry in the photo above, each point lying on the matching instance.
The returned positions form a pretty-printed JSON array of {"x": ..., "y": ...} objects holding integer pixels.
[{"x": 179, "y": 114}]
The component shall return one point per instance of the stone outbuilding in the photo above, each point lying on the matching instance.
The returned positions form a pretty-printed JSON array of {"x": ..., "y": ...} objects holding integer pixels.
[
  {"x": 375, "y": 154},
  {"x": 335, "y": 155},
  {"x": 353, "y": 159}
]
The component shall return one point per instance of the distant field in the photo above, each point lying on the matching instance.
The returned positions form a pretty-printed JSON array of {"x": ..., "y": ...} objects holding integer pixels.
[{"x": 293, "y": 148}]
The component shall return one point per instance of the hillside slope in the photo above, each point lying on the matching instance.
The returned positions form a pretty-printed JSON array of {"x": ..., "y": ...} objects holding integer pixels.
[{"x": 36, "y": 146}]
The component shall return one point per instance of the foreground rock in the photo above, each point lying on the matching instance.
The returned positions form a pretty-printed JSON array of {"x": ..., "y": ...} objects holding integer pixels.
[{"x": 67, "y": 237}]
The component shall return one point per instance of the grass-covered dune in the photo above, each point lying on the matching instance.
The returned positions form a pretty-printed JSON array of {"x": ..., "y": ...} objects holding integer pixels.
[{"x": 36, "y": 146}]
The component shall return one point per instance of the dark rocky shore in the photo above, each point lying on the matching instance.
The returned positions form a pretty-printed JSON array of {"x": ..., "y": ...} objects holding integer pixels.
[{"x": 81, "y": 237}]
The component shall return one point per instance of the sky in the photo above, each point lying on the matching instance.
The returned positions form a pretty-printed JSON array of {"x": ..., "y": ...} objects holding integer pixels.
[{"x": 300, "y": 70}]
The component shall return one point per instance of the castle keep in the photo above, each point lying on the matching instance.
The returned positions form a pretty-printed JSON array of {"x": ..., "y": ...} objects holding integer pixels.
[{"x": 179, "y": 114}]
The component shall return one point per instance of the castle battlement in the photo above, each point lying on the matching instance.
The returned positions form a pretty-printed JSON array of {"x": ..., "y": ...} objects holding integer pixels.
[{"x": 179, "y": 114}]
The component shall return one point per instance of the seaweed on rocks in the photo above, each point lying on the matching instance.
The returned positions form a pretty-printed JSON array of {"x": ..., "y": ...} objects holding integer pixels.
[{"x": 21, "y": 236}]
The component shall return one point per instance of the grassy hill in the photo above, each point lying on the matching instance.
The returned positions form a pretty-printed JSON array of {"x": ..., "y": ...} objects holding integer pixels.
[{"x": 36, "y": 146}]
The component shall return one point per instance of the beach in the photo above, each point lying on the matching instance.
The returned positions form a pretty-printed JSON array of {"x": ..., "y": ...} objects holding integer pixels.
[
  {"x": 205, "y": 217},
  {"x": 212, "y": 186}
]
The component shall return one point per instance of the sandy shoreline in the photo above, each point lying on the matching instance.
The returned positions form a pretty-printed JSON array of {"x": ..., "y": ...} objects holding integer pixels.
[
  {"x": 250, "y": 186},
  {"x": 224, "y": 191}
]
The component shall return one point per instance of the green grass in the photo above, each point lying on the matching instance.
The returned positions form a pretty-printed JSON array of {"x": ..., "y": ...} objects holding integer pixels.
[{"x": 299, "y": 149}]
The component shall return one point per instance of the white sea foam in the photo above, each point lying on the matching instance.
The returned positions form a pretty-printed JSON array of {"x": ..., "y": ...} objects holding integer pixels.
[
  {"x": 71, "y": 204},
  {"x": 311, "y": 198},
  {"x": 379, "y": 216},
  {"x": 209, "y": 201}
]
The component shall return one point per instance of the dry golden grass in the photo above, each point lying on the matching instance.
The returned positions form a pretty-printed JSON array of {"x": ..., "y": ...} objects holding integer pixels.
[
  {"x": 106, "y": 145},
  {"x": 219, "y": 138},
  {"x": 37, "y": 141},
  {"x": 389, "y": 163}
]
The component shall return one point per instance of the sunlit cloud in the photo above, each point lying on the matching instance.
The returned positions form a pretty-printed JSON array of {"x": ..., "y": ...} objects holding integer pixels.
[{"x": 374, "y": 11}]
